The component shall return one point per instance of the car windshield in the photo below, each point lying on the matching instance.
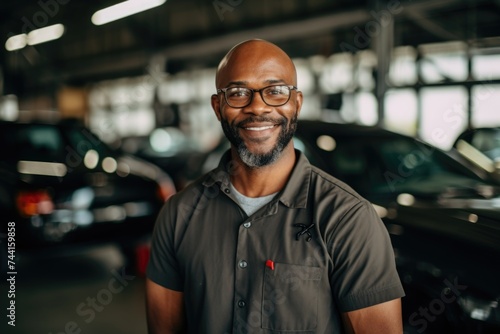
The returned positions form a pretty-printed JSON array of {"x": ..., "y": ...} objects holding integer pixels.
[
  {"x": 378, "y": 165},
  {"x": 414, "y": 167}
]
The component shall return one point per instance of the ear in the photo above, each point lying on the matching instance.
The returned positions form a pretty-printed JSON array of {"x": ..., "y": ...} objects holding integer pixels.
[
  {"x": 298, "y": 102},
  {"x": 215, "y": 101}
]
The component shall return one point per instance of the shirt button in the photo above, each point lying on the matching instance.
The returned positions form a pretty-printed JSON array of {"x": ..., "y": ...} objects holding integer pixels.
[
  {"x": 247, "y": 225},
  {"x": 243, "y": 264},
  {"x": 241, "y": 303}
]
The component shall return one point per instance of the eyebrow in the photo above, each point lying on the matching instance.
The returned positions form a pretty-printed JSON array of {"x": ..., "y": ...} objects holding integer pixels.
[
  {"x": 245, "y": 83},
  {"x": 275, "y": 81},
  {"x": 237, "y": 83}
]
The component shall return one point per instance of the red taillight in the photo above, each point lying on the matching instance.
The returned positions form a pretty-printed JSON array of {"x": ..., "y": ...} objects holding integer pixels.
[{"x": 37, "y": 202}]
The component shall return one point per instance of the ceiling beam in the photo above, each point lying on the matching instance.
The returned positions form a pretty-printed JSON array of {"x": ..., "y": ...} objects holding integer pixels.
[
  {"x": 274, "y": 33},
  {"x": 280, "y": 32}
]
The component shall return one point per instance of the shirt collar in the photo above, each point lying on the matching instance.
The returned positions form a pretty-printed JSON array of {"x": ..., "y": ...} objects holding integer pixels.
[{"x": 293, "y": 195}]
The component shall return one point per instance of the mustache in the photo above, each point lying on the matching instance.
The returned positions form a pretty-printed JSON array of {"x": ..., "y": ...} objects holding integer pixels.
[{"x": 262, "y": 119}]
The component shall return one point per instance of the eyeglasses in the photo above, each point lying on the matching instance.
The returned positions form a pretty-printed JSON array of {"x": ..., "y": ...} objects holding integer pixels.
[{"x": 240, "y": 97}]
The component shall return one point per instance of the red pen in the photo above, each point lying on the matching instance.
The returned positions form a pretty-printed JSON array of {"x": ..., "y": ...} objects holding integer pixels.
[{"x": 270, "y": 264}]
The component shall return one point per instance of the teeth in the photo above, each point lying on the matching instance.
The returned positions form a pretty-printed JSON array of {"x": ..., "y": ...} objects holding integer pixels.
[{"x": 260, "y": 128}]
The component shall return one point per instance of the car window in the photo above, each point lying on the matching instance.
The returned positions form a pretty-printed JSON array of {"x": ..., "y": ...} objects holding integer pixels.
[
  {"x": 405, "y": 157},
  {"x": 35, "y": 143},
  {"x": 409, "y": 165},
  {"x": 488, "y": 142},
  {"x": 351, "y": 161},
  {"x": 353, "y": 164}
]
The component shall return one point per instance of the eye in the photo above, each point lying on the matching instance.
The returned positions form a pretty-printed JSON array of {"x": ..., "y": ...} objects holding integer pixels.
[
  {"x": 235, "y": 93},
  {"x": 277, "y": 90}
]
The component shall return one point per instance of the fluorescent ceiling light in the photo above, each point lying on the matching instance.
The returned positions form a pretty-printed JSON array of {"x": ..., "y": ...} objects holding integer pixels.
[
  {"x": 123, "y": 9},
  {"x": 46, "y": 34},
  {"x": 16, "y": 42},
  {"x": 34, "y": 37}
]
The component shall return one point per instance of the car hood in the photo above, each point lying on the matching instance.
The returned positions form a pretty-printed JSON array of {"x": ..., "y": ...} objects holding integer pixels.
[{"x": 470, "y": 214}]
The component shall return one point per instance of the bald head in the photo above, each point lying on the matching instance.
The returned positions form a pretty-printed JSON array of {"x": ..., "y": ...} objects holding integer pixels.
[{"x": 253, "y": 60}]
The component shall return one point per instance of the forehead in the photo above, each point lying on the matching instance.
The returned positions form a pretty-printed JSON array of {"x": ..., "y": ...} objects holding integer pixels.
[{"x": 256, "y": 64}]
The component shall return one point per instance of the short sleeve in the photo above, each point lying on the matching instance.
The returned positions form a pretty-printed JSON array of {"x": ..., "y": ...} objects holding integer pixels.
[
  {"x": 364, "y": 265},
  {"x": 163, "y": 267}
]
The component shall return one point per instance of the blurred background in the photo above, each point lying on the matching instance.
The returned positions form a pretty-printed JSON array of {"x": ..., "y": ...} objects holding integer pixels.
[{"x": 105, "y": 113}]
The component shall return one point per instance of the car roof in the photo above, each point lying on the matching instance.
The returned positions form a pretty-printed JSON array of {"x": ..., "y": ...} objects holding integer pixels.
[
  {"x": 58, "y": 123},
  {"x": 344, "y": 129}
]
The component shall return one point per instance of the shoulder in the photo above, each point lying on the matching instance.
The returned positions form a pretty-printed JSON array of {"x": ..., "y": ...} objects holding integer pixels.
[
  {"x": 338, "y": 208},
  {"x": 324, "y": 185},
  {"x": 186, "y": 193},
  {"x": 186, "y": 199}
]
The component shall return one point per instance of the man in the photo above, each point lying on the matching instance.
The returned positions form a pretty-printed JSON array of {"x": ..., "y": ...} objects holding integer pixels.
[{"x": 266, "y": 243}]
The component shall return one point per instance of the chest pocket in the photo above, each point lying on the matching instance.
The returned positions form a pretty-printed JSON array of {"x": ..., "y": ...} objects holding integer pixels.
[{"x": 290, "y": 298}]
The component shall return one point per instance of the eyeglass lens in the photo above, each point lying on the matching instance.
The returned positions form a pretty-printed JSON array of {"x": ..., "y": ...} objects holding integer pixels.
[{"x": 272, "y": 95}]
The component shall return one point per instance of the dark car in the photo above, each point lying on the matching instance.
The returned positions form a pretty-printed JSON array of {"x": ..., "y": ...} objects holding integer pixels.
[
  {"x": 443, "y": 216},
  {"x": 61, "y": 185}
]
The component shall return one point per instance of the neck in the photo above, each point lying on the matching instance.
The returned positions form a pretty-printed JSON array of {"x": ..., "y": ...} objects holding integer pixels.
[{"x": 266, "y": 180}]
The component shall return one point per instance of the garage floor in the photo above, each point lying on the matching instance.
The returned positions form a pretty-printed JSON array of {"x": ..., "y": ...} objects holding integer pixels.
[{"x": 83, "y": 292}]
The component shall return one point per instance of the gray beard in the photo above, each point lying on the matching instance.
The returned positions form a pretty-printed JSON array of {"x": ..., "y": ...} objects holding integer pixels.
[{"x": 253, "y": 160}]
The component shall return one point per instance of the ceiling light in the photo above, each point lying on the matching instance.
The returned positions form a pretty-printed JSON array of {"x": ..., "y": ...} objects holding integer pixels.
[
  {"x": 123, "y": 9},
  {"x": 16, "y": 42},
  {"x": 45, "y": 34}
]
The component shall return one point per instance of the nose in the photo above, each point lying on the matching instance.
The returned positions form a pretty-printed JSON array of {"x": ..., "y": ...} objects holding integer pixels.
[{"x": 257, "y": 106}]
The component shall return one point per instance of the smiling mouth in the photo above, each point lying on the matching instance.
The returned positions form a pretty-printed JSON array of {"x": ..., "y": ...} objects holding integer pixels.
[{"x": 260, "y": 128}]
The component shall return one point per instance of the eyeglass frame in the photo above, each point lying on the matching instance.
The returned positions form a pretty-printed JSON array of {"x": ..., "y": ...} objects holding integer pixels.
[{"x": 223, "y": 90}]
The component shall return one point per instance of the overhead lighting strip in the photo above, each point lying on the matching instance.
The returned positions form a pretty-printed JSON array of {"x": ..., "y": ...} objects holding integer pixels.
[
  {"x": 123, "y": 9},
  {"x": 46, "y": 34},
  {"x": 16, "y": 42},
  {"x": 34, "y": 37}
]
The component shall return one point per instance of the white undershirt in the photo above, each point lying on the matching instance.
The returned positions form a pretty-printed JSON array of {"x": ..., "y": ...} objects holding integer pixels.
[{"x": 251, "y": 204}]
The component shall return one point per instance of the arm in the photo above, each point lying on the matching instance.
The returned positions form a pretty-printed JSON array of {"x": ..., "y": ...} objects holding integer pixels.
[
  {"x": 165, "y": 309},
  {"x": 381, "y": 318}
]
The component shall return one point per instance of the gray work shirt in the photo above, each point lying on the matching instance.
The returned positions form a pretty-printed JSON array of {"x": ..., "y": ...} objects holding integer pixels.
[{"x": 260, "y": 274}]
